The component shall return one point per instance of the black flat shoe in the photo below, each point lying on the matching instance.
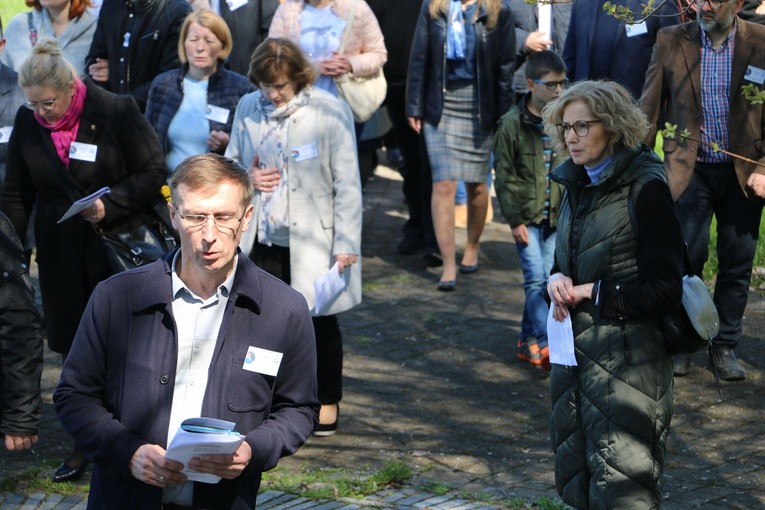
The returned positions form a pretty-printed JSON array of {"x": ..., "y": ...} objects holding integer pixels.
[
  {"x": 447, "y": 286},
  {"x": 68, "y": 473},
  {"x": 468, "y": 269},
  {"x": 327, "y": 429}
]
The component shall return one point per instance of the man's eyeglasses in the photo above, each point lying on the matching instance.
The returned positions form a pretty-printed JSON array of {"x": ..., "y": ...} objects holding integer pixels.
[
  {"x": 712, "y": 3},
  {"x": 47, "y": 105},
  {"x": 552, "y": 85},
  {"x": 225, "y": 223},
  {"x": 581, "y": 127}
]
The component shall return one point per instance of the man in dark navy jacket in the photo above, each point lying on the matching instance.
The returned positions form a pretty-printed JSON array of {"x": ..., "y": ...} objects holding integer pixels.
[
  {"x": 600, "y": 46},
  {"x": 202, "y": 332}
]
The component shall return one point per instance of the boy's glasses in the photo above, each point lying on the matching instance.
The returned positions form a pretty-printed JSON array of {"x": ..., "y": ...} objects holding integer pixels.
[{"x": 552, "y": 85}]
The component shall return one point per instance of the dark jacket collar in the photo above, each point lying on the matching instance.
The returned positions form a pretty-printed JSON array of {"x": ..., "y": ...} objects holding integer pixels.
[{"x": 158, "y": 293}]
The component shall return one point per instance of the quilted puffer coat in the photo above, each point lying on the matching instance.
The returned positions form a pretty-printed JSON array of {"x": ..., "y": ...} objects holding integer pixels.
[{"x": 611, "y": 413}]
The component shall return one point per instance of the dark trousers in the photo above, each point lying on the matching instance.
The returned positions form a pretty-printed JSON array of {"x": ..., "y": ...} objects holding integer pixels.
[
  {"x": 275, "y": 260},
  {"x": 418, "y": 184},
  {"x": 714, "y": 188}
]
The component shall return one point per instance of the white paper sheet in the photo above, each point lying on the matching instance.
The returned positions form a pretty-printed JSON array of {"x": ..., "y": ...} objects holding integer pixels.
[
  {"x": 545, "y": 19},
  {"x": 560, "y": 340},
  {"x": 329, "y": 286},
  {"x": 186, "y": 445},
  {"x": 84, "y": 203}
]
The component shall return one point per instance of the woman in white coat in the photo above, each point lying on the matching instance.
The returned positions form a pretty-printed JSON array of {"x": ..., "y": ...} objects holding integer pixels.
[{"x": 298, "y": 144}]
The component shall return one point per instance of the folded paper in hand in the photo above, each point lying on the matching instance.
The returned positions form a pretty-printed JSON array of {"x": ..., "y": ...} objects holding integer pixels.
[
  {"x": 203, "y": 436},
  {"x": 84, "y": 203},
  {"x": 329, "y": 286},
  {"x": 560, "y": 340}
]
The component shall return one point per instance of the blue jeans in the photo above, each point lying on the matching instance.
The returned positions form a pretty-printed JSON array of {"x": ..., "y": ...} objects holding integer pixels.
[{"x": 536, "y": 261}]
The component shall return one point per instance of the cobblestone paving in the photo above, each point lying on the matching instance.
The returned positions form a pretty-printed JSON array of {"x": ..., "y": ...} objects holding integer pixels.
[{"x": 431, "y": 380}]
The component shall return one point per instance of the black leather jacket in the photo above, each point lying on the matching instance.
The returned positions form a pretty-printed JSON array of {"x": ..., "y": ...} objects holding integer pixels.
[
  {"x": 495, "y": 63},
  {"x": 21, "y": 342}
]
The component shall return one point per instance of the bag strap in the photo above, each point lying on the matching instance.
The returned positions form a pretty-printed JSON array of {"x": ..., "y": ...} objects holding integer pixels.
[
  {"x": 32, "y": 29},
  {"x": 348, "y": 23}
]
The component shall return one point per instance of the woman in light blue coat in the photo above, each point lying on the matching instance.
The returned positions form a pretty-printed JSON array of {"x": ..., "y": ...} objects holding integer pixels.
[
  {"x": 68, "y": 21},
  {"x": 299, "y": 145}
]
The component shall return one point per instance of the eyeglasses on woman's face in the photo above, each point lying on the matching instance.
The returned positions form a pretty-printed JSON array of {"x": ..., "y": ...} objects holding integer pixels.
[
  {"x": 580, "y": 127},
  {"x": 46, "y": 105}
]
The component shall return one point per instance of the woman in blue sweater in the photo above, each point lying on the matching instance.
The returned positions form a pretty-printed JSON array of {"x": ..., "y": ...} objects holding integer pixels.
[{"x": 192, "y": 108}]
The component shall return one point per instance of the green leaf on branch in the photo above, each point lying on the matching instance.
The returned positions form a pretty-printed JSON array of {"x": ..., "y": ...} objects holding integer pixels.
[{"x": 753, "y": 94}]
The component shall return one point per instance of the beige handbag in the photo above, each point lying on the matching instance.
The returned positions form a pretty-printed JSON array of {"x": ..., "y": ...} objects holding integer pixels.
[{"x": 364, "y": 94}]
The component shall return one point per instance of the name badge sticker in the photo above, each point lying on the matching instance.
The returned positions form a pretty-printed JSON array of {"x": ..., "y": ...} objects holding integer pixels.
[
  {"x": 235, "y": 4},
  {"x": 262, "y": 361},
  {"x": 755, "y": 75},
  {"x": 638, "y": 29},
  {"x": 304, "y": 152},
  {"x": 5, "y": 133},
  {"x": 217, "y": 113},
  {"x": 83, "y": 151}
]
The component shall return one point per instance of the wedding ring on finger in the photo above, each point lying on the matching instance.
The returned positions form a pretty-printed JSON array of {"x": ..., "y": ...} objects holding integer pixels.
[{"x": 161, "y": 479}]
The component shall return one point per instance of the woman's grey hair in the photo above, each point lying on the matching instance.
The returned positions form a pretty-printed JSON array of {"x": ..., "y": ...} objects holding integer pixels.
[
  {"x": 612, "y": 104},
  {"x": 47, "y": 67}
]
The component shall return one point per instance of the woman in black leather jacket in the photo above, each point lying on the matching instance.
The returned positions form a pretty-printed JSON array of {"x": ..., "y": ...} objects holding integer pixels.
[{"x": 459, "y": 85}]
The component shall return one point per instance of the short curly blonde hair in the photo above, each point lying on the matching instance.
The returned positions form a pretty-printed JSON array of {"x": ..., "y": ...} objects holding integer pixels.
[{"x": 612, "y": 104}]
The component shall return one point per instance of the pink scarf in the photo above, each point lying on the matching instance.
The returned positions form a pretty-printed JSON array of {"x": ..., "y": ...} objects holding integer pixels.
[{"x": 64, "y": 131}]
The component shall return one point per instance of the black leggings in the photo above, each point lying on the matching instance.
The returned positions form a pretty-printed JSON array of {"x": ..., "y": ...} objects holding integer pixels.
[{"x": 329, "y": 341}]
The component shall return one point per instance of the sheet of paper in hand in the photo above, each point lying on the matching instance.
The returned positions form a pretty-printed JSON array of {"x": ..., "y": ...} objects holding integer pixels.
[{"x": 201, "y": 436}]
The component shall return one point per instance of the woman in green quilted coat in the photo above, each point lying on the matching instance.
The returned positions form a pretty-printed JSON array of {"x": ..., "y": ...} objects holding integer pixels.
[{"x": 618, "y": 270}]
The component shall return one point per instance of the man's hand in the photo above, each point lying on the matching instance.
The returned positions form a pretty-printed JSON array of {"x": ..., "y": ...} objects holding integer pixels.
[
  {"x": 537, "y": 41},
  {"x": 757, "y": 183},
  {"x": 415, "y": 123},
  {"x": 225, "y": 466},
  {"x": 150, "y": 465},
  {"x": 16, "y": 443}
]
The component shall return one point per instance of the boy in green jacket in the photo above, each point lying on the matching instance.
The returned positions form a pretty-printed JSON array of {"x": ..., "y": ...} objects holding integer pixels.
[{"x": 529, "y": 201}]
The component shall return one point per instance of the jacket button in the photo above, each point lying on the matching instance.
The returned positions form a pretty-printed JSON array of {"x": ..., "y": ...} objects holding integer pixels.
[{"x": 164, "y": 379}]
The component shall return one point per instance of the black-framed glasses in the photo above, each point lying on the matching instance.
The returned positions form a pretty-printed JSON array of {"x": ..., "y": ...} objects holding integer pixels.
[
  {"x": 225, "y": 223},
  {"x": 47, "y": 105},
  {"x": 581, "y": 127},
  {"x": 552, "y": 85},
  {"x": 712, "y": 3}
]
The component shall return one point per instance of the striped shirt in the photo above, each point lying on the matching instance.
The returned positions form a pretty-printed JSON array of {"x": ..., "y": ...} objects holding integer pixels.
[{"x": 715, "y": 96}]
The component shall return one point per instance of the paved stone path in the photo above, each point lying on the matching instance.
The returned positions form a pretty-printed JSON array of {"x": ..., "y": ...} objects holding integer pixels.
[{"x": 431, "y": 380}]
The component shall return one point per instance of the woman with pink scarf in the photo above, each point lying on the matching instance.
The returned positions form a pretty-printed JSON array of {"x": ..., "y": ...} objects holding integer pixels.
[{"x": 72, "y": 138}]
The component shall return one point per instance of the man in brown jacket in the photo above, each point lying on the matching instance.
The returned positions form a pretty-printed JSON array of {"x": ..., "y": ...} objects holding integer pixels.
[{"x": 695, "y": 81}]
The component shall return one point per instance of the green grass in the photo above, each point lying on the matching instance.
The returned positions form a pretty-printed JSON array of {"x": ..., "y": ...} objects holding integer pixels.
[
  {"x": 335, "y": 483},
  {"x": 9, "y": 8},
  {"x": 38, "y": 480}
]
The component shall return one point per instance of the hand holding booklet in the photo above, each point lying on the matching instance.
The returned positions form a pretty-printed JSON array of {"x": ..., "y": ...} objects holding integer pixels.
[
  {"x": 84, "y": 203},
  {"x": 203, "y": 436}
]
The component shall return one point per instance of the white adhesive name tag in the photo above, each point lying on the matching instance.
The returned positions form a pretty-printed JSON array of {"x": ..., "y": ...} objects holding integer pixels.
[
  {"x": 217, "y": 113},
  {"x": 304, "y": 152},
  {"x": 235, "y": 4},
  {"x": 83, "y": 151},
  {"x": 262, "y": 361},
  {"x": 638, "y": 29},
  {"x": 755, "y": 74},
  {"x": 5, "y": 133}
]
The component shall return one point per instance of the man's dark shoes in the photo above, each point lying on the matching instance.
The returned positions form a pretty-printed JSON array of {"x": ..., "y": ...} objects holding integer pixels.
[
  {"x": 724, "y": 359},
  {"x": 72, "y": 468},
  {"x": 681, "y": 365}
]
